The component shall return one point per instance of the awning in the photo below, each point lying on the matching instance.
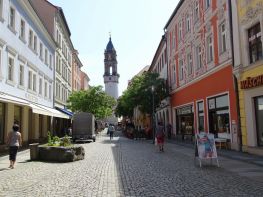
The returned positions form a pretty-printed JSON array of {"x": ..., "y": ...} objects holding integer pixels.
[
  {"x": 39, "y": 110},
  {"x": 65, "y": 111},
  {"x": 12, "y": 99},
  {"x": 54, "y": 112}
]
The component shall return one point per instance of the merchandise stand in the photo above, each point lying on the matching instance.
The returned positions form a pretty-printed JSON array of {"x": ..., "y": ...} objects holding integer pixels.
[{"x": 205, "y": 148}]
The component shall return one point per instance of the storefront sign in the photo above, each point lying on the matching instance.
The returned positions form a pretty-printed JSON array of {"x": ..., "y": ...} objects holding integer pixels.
[
  {"x": 252, "y": 82},
  {"x": 185, "y": 110}
]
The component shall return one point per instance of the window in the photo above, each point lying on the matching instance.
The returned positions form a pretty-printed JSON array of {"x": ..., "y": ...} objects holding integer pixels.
[
  {"x": 255, "y": 43},
  {"x": 45, "y": 89},
  {"x": 22, "y": 29},
  {"x": 35, "y": 43},
  {"x": 210, "y": 55},
  {"x": 207, "y": 3},
  {"x": 56, "y": 90},
  {"x": 41, "y": 51},
  {"x": 46, "y": 61},
  {"x": 50, "y": 61},
  {"x": 174, "y": 73},
  {"x": 189, "y": 63},
  {"x": 2, "y": 120},
  {"x": 173, "y": 39},
  {"x": 40, "y": 86},
  {"x": 1, "y": 11},
  {"x": 0, "y": 63},
  {"x": 222, "y": 38},
  {"x": 30, "y": 39},
  {"x": 10, "y": 69},
  {"x": 181, "y": 65},
  {"x": 30, "y": 80},
  {"x": 198, "y": 57},
  {"x": 188, "y": 24},
  {"x": 12, "y": 18},
  {"x": 21, "y": 75},
  {"x": 34, "y": 82},
  {"x": 200, "y": 110},
  {"x": 196, "y": 10},
  {"x": 49, "y": 91},
  {"x": 180, "y": 30}
]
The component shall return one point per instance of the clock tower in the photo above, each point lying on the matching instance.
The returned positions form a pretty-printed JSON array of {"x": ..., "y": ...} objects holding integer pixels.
[{"x": 111, "y": 76}]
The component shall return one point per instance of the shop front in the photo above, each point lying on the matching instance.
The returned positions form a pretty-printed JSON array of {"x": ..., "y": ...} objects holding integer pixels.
[
  {"x": 185, "y": 122},
  {"x": 251, "y": 110}
]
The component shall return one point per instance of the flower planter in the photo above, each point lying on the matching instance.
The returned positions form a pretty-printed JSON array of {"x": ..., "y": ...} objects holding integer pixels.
[{"x": 61, "y": 154}]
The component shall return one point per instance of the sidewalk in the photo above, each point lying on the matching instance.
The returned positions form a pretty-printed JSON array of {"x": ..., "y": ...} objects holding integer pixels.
[{"x": 231, "y": 154}]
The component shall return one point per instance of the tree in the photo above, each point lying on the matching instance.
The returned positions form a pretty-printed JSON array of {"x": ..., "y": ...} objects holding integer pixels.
[
  {"x": 140, "y": 93},
  {"x": 94, "y": 101}
]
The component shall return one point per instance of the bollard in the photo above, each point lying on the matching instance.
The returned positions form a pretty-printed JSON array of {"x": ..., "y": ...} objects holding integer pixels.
[{"x": 33, "y": 151}]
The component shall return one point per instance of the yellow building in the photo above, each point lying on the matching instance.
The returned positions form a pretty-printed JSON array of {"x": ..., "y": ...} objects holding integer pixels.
[{"x": 248, "y": 61}]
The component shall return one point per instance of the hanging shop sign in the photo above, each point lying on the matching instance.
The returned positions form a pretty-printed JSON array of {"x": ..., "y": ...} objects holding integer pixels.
[{"x": 252, "y": 82}]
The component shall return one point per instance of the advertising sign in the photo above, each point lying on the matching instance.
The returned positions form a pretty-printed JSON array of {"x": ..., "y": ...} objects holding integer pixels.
[{"x": 206, "y": 146}]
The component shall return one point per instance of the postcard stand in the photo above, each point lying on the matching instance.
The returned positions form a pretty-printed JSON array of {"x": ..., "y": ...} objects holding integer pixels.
[{"x": 205, "y": 148}]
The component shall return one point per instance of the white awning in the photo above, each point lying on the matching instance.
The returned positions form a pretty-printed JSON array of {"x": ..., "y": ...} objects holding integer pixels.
[
  {"x": 12, "y": 99},
  {"x": 53, "y": 112},
  {"x": 39, "y": 110}
]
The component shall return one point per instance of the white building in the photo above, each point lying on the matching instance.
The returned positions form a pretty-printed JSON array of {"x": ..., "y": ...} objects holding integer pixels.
[{"x": 26, "y": 72}]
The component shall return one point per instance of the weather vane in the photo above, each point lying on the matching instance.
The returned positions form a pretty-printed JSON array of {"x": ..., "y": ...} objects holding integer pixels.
[{"x": 110, "y": 34}]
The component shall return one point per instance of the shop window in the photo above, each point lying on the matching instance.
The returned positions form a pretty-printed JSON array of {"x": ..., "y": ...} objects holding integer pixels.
[
  {"x": 200, "y": 109},
  {"x": 185, "y": 120},
  {"x": 2, "y": 122},
  {"x": 18, "y": 115},
  {"x": 255, "y": 43},
  {"x": 259, "y": 118},
  {"x": 219, "y": 115}
]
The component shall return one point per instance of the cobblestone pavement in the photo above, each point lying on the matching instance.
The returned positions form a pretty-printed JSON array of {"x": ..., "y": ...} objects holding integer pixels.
[{"x": 124, "y": 167}]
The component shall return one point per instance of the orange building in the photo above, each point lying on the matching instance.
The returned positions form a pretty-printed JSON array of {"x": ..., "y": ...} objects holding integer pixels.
[{"x": 203, "y": 96}]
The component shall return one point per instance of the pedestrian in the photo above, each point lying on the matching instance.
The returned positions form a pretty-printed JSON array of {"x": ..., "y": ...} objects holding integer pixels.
[
  {"x": 111, "y": 131},
  {"x": 160, "y": 136},
  {"x": 14, "y": 140}
]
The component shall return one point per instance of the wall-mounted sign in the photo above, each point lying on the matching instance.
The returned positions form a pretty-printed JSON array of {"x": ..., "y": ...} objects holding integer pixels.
[
  {"x": 252, "y": 82},
  {"x": 185, "y": 110}
]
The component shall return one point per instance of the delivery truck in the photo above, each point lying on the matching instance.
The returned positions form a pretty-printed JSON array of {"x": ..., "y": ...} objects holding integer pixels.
[{"x": 83, "y": 127}]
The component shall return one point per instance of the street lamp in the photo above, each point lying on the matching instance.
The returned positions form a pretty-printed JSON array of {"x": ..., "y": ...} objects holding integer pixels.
[{"x": 153, "y": 125}]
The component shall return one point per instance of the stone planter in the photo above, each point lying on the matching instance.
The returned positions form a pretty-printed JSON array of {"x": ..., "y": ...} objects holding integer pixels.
[{"x": 60, "y": 154}]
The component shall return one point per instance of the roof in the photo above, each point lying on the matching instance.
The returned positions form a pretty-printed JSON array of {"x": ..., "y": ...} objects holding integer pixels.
[
  {"x": 174, "y": 13},
  {"x": 110, "y": 46}
]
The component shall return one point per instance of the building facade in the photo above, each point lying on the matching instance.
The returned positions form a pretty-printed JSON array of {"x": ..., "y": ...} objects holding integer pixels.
[
  {"x": 203, "y": 96},
  {"x": 159, "y": 65},
  {"x": 76, "y": 72},
  {"x": 248, "y": 56},
  {"x": 84, "y": 81},
  {"x": 56, "y": 24},
  {"x": 27, "y": 54}
]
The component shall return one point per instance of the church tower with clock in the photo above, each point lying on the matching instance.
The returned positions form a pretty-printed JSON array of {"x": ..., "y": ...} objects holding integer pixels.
[{"x": 111, "y": 76}]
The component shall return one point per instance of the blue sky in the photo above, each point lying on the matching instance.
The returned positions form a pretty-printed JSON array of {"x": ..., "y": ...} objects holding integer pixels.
[{"x": 136, "y": 28}]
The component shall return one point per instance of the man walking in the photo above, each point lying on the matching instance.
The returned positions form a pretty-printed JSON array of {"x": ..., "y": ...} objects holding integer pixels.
[{"x": 111, "y": 131}]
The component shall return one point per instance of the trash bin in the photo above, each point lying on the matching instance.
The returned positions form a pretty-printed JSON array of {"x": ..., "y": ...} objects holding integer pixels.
[{"x": 33, "y": 151}]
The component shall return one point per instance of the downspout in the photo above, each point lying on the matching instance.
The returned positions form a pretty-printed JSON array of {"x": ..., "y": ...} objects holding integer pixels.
[{"x": 235, "y": 78}]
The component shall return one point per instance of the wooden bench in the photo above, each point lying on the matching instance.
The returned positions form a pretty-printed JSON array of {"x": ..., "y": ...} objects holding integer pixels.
[{"x": 222, "y": 140}]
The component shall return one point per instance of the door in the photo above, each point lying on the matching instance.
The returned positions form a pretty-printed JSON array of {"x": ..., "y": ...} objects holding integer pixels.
[{"x": 259, "y": 118}]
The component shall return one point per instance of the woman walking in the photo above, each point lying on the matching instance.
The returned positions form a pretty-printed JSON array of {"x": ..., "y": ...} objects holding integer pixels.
[
  {"x": 160, "y": 136},
  {"x": 14, "y": 140}
]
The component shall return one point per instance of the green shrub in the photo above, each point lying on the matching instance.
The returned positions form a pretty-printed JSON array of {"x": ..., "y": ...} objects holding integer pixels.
[{"x": 56, "y": 141}]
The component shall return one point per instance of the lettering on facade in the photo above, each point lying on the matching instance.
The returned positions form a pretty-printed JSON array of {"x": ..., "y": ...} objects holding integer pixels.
[
  {"x": 252, "y": 82},
  {"x": 31, "y": 98}
]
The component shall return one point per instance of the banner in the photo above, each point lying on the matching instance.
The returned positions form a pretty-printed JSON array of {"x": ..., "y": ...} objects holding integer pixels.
[{"x": 206, "y": 145}]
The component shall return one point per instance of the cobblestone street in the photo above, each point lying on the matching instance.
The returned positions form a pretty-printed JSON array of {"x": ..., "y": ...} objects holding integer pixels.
[{"x": 125, "y": 167}]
